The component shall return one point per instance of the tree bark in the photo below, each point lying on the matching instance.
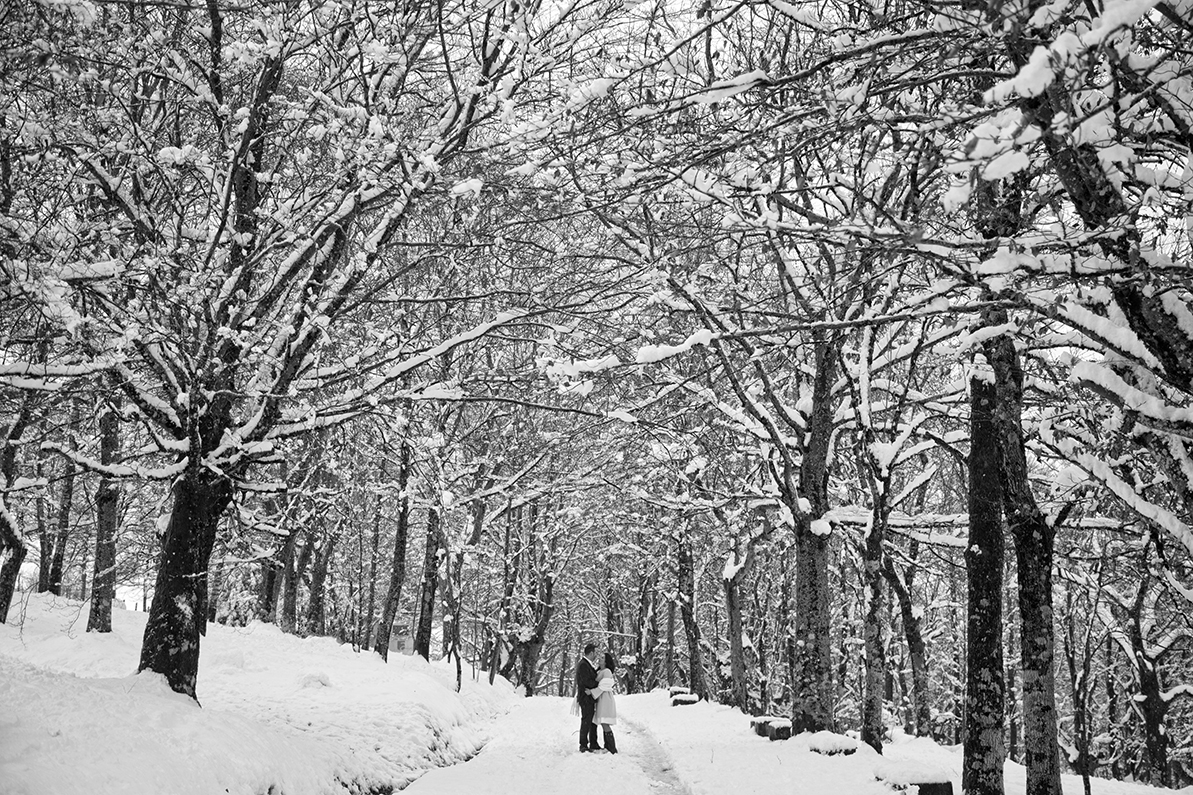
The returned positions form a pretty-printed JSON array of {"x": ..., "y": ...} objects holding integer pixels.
[
  {"x": 316, "y": 617},
  {"x": 107, "y": 505},
  {"x": 685, "y": 573},
  {"x": 292, "y": 576},
  {"x": 177, "y": 614},
  {"x": 1034, "y": 538},
  {"x": 430, "y": 584},
  {"x": 45, "y": 538},
  {"x": 273, "y": 579},
  {"x": 982, "y": 770},
  {"x": 12, "y": 544},
  {"x": 917, "y": 650},
  {"x": 1148, "y": 702},
  {"x": 873, "y": 624},
  {"x": 397, "y": 572},
  {"x": 812, "y": 682},
  {"x": 669, "y": 657},
  {"x": 62, "y": 528},
  {"x": 737, "y": 654},
  {"x": 374, "y": 547}
]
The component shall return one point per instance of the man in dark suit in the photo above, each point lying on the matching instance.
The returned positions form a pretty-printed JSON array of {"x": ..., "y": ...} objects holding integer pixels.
[{"x": 586, "y": 682}]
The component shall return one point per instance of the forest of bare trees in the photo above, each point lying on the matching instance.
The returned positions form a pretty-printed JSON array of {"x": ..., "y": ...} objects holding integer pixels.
[{"x": 832, "y": 359}]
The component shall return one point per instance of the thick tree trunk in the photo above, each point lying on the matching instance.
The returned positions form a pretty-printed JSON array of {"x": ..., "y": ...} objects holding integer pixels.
[
  {"x": 107, "y": 504},
  {"x": 316, "y": 617},
  {"x": 1034, "y": 538},
  {"x": 686, "y": 576},
  {"x": 531, "y": 650},
  {"x": 669, "y": 657},
  {"x": 292, "y": 576},
  {"x": 873, "y": 626},
  {"x": 564, "y": 669},
  {"x": 12, "y": 549},
  {"x": 62, "y": 528},
  {"x": 812, "y": 682},
  {"x": 1012, "y": 688},
  {"x": 274, "y": 578},
  {"x": 982, "y": 770},
  {"x": 397, "y": 572},
  {"x": 374, "y": 547},
  {"x": 12, "y": 542},
  {"x": 1149, "y": 702},
  {"x": 45, "y": 538},
  {"x": 430, "y": 584},
  {"x": 737, "y": 654},
  {"x": 812, "y": 691},
  {"x": 176, "y": 617}
]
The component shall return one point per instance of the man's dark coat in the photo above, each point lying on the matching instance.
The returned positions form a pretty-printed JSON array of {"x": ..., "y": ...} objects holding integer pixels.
[{"x": 586, "y": 679}]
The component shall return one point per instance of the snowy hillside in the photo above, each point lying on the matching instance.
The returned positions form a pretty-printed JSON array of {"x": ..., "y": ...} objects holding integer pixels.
[{"x": 280, "y": 713}]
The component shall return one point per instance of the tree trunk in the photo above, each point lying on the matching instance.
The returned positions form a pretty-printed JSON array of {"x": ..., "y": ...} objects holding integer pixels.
[
  {"x": 292, "y": 576},
  {"x": 812, "y": 683},
  {"x": 982, "y": 771},
  {"x": 316, "y": 618},
  {"x": 397, "y": 573},
  {"x": 811, "y": 686},
  {"x": 1148, "y": 702},
  {"x": 430, "y": 583},
  {"x": 62, "y": 528},
  {"x": 1033, "y": 538},
  {"x": 564, "y": 669},
  {"x": 12, "y": 544},
  {"x": 737, "y": 654},
  {"x": 669, "y": 657},
  {"x": 786, "y": 622},
  {"x": 45, "y": 538},
  {"x": 916, "y": 650},
  {"x": 685, "y": 573},
  {"x": 373, "y": 550},
  {"x": 1112, "y": 728},
  {"x": 273, "y": 579},
  {"x": 1077, "y": 658},
  {"x": 107, "y": 517},
  {"x": 873, "y": 624},
  {"x": 176, "y": 617}
]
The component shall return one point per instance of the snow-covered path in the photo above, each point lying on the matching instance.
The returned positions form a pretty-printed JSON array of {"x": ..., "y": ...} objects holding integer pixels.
[{"x": 534, "y": 750}]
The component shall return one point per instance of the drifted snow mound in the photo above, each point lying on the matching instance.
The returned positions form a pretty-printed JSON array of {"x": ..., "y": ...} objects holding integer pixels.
[{"x": 280, "y": 714}]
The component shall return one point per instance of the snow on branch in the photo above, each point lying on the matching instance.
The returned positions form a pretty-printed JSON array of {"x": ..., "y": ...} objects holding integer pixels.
[
  {"x": 648, "y": 354},
  {"x": 1151, "y": 409},
  {"x": 1179, "y": 690},
  {"x": 119, "y": 471},
  {"x": 1102, "y": 472},
  {"x": 48, "y": 377}
]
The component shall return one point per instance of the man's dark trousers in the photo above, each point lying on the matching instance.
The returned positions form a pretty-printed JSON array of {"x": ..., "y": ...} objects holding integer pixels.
[{"x": 588, "y": 728}]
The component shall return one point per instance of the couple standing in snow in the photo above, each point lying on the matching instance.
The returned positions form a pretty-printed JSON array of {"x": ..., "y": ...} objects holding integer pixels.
[{"x": 594, "y": 700}]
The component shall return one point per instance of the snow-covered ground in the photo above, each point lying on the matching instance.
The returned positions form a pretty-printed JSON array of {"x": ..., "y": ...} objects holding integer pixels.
[
  {"x": 702, "y": 749},
  {"x": 280, "y": 714},
  {"x": 309, "y": 717}
]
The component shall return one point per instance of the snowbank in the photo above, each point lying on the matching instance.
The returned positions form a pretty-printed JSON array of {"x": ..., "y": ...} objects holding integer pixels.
[
  {"x": 714, "y": 751},
  {"x": 280, "y": 713}
]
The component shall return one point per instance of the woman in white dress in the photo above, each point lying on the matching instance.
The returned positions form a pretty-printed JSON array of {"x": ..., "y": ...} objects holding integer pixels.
[{"x": 606, "y": 707}]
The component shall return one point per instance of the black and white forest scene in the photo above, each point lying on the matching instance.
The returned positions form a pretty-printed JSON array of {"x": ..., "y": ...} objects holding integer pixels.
[{"x": 634, "y": 397}]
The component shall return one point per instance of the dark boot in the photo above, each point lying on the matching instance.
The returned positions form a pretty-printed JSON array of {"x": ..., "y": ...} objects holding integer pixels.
[{"x": 610, "y": 743}]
